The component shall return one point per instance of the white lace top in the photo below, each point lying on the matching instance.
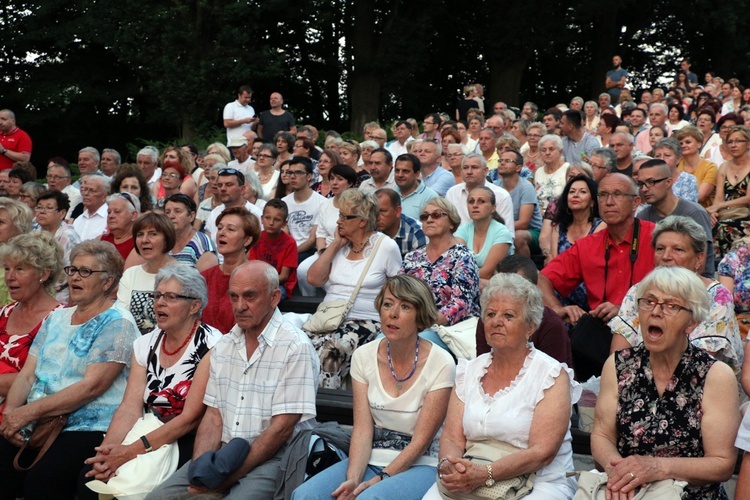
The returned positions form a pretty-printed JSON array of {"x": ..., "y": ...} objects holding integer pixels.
[{"x": 506, "y": 416}]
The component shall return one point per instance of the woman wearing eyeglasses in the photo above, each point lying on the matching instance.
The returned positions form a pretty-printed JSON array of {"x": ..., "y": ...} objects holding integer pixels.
[
  {"x": 51, "y": 210},
  {"x": 720, "y": 154},
  {"x": 667, "y": 409},
  {"x": 732, "y": 194},
  {"x": 167, "y": 376},
  {"x": 76, "y": 366},
  {"x": 446, "y": 265},
  {"x": 154, "y": 238},
  {"x": 338, "y": 270}
]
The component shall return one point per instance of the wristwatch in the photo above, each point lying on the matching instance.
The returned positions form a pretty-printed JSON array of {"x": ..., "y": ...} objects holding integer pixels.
[
  {"x": 384, "y": 475},
  {"x": 490, "y": 481}
]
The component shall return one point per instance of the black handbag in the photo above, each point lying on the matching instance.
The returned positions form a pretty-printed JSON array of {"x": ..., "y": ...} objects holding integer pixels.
[{"x": 590, "y": 341}]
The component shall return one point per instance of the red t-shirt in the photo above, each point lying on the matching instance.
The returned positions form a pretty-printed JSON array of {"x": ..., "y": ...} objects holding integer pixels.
[
  {"x": 18, "y": 141},
  {"x": 218, "y": 312},
  {"x": 279, "y": 252},
  {"x": 123, "y": 248}
]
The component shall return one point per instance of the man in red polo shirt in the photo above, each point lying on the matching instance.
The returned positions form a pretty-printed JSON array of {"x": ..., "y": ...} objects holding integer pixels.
[
  {"x": 15, "y": 144},
  {"x": 607, "y": 280}
]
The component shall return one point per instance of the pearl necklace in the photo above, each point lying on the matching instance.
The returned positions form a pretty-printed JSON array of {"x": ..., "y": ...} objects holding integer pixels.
[{"x": 393, "y": 372}]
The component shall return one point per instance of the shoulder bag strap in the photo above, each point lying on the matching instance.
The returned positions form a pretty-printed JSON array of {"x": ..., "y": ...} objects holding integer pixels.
[{"x": 350, "y": 302}]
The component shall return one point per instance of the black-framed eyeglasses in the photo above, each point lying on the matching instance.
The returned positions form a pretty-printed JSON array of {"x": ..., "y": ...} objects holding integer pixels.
[
  {"x": 348, "y": 217},
  {"x": 668, "y": 308},
  {"x": 651, "y": 182},
  {"x": 264, "y": 156},
  {"x": 83, "y": 272},
  {"x": 297, "y": 173},
  {"x": 170, "y": 296},
  {"x": 435, "y": 215}
]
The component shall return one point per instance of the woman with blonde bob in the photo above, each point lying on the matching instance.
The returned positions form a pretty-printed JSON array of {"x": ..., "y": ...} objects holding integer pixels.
[
  {"x": 667, "y": 409},
  {"x": 401, "y": 389},
  {"x": 510, "y": 406}
]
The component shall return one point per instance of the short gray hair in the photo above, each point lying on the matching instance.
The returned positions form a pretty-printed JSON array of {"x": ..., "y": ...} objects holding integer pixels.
[
  {"x": 659, "y": 104},
  {"x": 608, "y": 155},
  {"x": 448, "y": 207},
  {"x": 19, "y": 212},
  {"x": 269, "y": 272},
  {"x": 679, "y": 282},
  {"x": 682, "y": 225},
  {"x": 252, "y": 181},
  {"x": 192, "y": 283},
  {"x": 131, "y": 201},
  {"x": 474, "y": 155},
  {"x": 151, "y": 152},
  {"x": 94, "y": 152},
  {"x": 106, "y": 255},
  {"x": 105, "y": 183},
  {"x": 369, "y": 144},
  {"x": 553, "y": 138},
  {"x": 518, "y": 289},
  {"x": 669, "y": 143},
  {"x": 115, "y": 153}
]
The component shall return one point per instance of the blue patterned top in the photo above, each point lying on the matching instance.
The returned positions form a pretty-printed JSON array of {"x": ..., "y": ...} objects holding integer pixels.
[
  {"x": 195, "y": 248},
  {"x": 64, "y": 352},
  {"x": 686, "y": 187},
  {"x": 453, "y": 279}
]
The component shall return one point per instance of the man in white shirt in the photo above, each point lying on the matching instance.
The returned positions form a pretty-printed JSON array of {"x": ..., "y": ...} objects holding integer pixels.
[
  {"x": 231, "y": 186},
  {"x": 402, "y": 132},
  {"x": 380, "y": 167},
  {"x": 241, "y": 152},
  {"x": 92, "y": 223},
  {"x": 147, "y": 160},
  {"x": 474, "y": 173},
  {"x": 239, "y": 116},
  {"x": 304, "y": 205},
  {"x": 58, "y": 178}
]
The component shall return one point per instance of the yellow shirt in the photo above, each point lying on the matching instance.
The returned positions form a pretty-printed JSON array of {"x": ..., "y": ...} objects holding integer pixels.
[{"x": 706, "y": 171}]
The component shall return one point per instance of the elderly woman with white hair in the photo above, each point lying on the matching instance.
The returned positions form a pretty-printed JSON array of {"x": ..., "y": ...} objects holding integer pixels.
[
  {"x": 168, "y": 375},
  {"x": 510, "y": 406},
  {"x": 667, "y": 409},
  {"x": 550, "y": 176}
]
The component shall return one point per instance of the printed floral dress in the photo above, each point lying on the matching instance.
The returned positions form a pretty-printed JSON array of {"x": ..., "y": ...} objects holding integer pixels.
[
  {"x": 666, "y": 426},
  {"x": 729, "y": 232}
]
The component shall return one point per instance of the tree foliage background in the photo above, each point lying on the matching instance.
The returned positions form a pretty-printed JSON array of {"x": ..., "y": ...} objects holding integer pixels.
[{"x": 109, "y": 73}]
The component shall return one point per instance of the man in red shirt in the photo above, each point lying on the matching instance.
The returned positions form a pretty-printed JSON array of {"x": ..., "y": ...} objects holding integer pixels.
[
  {"x": 15, "y": 144},
  {"x": 602, "y": 261}
]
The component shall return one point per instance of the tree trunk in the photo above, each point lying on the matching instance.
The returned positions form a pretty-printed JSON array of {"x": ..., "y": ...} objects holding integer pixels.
[
  {"x": 505, "y": 80},
  {"x": 365, "y": 96}
]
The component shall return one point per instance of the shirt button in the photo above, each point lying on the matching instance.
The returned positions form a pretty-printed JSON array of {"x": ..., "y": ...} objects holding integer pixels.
[
  {"x": 242, "y": 398},
  {"x": 237, "y": 423}
]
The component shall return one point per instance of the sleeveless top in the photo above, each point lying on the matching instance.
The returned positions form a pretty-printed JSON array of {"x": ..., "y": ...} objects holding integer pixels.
[{"x": 666, "y": 426}]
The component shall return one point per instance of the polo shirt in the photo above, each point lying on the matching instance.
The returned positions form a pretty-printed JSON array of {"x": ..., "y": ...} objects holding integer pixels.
[
  {"x": 281, "y": 377},
  {"x": 413, "y": 203},
  {"x": 17, "y": 141},
  {"x": 440, "y": 180},
  {"x": 584, "y": 263},
  {"x": 368, "y": 185}
]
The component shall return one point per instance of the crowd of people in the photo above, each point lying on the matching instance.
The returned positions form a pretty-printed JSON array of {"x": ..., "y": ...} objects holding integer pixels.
[{"x": 570, "y": 242}]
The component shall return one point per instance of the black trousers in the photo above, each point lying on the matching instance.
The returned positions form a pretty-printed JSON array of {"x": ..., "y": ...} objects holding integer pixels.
[{"x": 55, "y": 476}]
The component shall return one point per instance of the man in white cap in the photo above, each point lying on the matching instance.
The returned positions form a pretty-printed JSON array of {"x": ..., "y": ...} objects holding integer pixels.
[{"x": 241, "y": 152}]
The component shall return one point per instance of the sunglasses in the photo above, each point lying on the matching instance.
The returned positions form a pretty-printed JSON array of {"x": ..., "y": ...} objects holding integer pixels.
[
  {"x": 233, "y": 171},
  {"x": 435, "y": 215}
]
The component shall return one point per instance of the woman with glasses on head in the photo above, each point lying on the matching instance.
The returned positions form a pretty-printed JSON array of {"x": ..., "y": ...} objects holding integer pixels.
[
  {"x": 122, "y": 211},
  {"x": 446, "y": 265},
  {"x": 732, "y": 193},
  {"x": 191, "y": 247},
  {"x": 667, "y": 409},
  {"x": 327, "y": 160},
  {"x": 167, "y": 377},
  {"x": 154, "y": 238},
  {"x": 265, "y": 168},
  {"x": 77, "y": 366},
  {"x": 338, "y": 269}
]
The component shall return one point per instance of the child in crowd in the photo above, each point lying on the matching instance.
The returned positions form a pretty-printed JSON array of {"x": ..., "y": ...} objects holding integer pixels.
[{"x": 276, "y": 246}]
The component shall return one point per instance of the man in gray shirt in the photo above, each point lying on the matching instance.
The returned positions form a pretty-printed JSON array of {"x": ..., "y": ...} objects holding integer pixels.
[{"x": 577, "y": 143}]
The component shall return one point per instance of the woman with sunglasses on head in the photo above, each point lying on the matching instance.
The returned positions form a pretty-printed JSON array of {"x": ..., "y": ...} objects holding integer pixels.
[
  {"x": 191, "y": 247},
  {"x": 167, "y": 377},
  {"x": 446, "y": 265}
]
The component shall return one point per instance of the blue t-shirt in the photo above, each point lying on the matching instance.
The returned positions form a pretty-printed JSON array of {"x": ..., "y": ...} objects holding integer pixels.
[
  {"x": 496, "y": 233},
  {"x": 616, "y": 75}
]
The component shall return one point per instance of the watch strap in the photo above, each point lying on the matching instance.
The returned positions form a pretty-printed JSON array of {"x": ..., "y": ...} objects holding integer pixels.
[{"x": 146, "y": 444}]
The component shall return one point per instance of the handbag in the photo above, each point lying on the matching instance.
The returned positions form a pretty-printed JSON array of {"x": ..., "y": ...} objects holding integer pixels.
[
  {"x": 44, "y": 434},
  {"x": 460, "y": 338},
  {"x": 590, "y": 341},
  {"x": 734, "y": 213},
  {"x": 136, "y": 478},
  {"x": 593, "y": 486},
  {"x": 505, "y": 489},
  {"x": 331, "y": 314}
]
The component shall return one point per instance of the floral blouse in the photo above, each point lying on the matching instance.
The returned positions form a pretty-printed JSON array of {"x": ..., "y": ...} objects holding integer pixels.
[
  {"x": 718, "y": 335},
  {"x": 736, "y": 265},
  {"x": 167, "y": 388},
  {"x": 666, "y": 426},
  {"x": 453, "y": 279}
]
